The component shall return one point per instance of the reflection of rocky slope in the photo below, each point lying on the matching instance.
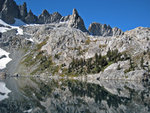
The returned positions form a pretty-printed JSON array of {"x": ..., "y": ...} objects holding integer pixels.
[
  {"x": 74, "y": 96},
  {"x": 61, "y": 96}
]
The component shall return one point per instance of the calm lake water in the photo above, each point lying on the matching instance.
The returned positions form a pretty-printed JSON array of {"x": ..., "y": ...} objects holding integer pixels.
[{"x": 35, "y": 95}]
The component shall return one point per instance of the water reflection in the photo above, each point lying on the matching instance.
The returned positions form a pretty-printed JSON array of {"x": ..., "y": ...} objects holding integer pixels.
[{"x": 72, "y": 96}]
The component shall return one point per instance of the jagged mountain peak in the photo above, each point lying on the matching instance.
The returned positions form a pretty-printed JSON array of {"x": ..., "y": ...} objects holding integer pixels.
[
  {"x": 45, "y": 12},
  {"x": 9, "y": 10}
]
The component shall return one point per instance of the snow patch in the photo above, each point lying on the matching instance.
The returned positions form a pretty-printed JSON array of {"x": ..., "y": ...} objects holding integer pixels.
[
  {"x": 4, "y": 91},
  {"x": 18, "y": 22},
  {"x": 5, "y": 60},
  {"x": 30, "y": 39}
]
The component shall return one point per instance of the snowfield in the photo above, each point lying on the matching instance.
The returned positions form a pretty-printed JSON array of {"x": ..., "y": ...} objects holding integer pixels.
[
  {"x": 4, "y": 91},
  {"x": 14, "y": 26},
  {"x": 4, "y": 60}
]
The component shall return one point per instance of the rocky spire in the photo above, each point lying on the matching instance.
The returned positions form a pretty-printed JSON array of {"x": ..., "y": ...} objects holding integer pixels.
[
  {"x": 23, "y": 10},
  {"x": 30, "y": 18},
  {"x": 76, "y": 21},
  {"x": 103, "y": 30}
]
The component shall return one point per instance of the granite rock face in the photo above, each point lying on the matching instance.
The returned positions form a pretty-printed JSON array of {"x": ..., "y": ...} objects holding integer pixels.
[
  {"x": 116, "y": 31},
  {"x": 98, "y": 29},
  {"x": 9, "y": 11}
]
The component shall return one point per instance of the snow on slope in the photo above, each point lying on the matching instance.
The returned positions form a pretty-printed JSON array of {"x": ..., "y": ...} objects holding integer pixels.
[
  {"x": 5, "y": 27},
  {"x": 3, "y": 23},
  {"x": 4, "y": 91},
  {"x": 18, "y": 22},
  {"x": 4, "y": 60}
]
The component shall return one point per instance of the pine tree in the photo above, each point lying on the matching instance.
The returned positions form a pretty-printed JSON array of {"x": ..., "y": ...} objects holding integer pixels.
[
  {"x": 109, "y": 54},
  {"x": 142, "y": 63}
]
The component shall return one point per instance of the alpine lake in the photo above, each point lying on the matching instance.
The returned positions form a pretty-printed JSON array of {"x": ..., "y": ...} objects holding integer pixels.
[{"x": 45, "y": 95}]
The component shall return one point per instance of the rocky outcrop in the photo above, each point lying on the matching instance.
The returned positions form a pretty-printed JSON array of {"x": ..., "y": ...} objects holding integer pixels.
[
  {"x": 116, "y": 31},
  {"x": 46, "y": 18},
  {"x": 30, "y": 18},
  {"x": 74, "y": 21},
  {"x": 98, "y": 29}
]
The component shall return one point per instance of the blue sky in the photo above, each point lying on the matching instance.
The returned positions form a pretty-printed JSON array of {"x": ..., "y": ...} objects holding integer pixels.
[{"x": 125, "y": 14}]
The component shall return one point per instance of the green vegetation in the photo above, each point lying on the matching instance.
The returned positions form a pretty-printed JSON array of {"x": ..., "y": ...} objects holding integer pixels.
[
  {"x": 39, "y": 46},
  {"x": 95, "y": 64}
]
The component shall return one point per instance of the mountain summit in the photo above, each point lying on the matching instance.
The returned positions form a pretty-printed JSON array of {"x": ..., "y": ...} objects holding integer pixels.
[{"x": 9, "y": 11}]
